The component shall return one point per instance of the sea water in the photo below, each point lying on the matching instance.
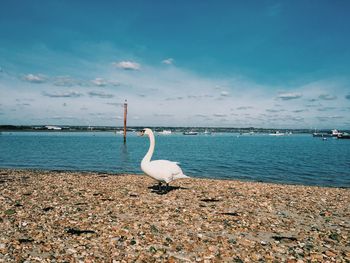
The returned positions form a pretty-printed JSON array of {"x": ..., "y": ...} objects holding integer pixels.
[{"x": 295, "y": 159}]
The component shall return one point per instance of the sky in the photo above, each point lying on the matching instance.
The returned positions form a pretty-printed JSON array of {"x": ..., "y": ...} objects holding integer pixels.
[{"x": 266, "y": 63}]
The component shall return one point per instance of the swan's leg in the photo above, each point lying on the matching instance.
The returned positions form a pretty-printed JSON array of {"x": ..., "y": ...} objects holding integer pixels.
[
  {"x": 160, "y": 186},
  {"x": 167, "y": 187}
]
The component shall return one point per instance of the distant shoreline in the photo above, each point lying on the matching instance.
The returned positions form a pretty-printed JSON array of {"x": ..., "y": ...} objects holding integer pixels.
[
  {"x": 106, "y": 173},
  {"x": 66, "y": 128}
]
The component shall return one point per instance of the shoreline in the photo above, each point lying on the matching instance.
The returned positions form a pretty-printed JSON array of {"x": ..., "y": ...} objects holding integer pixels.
[
  {"x": 111, "y": 173},
  {"x": 59, "y": 216}
]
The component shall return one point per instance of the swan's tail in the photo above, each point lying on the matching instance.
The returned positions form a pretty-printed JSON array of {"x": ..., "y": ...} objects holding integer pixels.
[{"x": 181, "y": 176}]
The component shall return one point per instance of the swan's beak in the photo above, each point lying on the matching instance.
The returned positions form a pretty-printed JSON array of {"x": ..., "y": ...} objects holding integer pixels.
[{"x": 141, "y": 133}]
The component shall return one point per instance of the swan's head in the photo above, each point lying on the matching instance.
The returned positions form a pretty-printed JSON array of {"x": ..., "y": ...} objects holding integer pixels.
[{"x": 146, "y": 131}]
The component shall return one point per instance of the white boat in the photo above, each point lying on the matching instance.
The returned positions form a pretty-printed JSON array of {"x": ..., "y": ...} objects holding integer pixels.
[
  {"x": 277, "y": 133},
  {"x": 336, "y": 133},
  {"x": 55, "y": 128},
  {"x": 165, "y": 132},
  {"x": 206, "y": 132}
]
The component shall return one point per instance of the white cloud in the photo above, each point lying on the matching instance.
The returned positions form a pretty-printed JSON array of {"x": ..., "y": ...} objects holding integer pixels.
[
  {"x": 274, "y": 110},
  {"x": 127, "y": 65},
  {"x": 201, "y": 116},
  {"x": 34, "y": 78},
  {"x": 168, "y": 61},
  {"x": 289, "y": 96},
  {"x": 100, "y": 94},
  {"x": 69, "y": 94},
  {"x": 221, "y": 115},
  {"x": 301, "y": 110},
  {"x": 100, "y": 82},
  {"x": 224, "y": 94}
]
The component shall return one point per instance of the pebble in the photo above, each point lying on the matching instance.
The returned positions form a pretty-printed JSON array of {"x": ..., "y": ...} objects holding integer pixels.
[
  {"x": 71, "y": 251},
  {"x": 263, "y": 242},
  {"x": 330, "y": 254}
]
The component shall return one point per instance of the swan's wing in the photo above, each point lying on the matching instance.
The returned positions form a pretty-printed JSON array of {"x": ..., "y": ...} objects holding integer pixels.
[
  {"x": 163, "y": 170},
  {"x": 167, "y": 166}
]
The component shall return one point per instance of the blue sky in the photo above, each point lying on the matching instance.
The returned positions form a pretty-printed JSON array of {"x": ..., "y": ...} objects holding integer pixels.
[{"x": 179, "y": 63}]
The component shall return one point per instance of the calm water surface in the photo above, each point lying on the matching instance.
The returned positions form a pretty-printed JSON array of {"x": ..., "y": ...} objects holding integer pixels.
[{"x": 296, "y": 159}]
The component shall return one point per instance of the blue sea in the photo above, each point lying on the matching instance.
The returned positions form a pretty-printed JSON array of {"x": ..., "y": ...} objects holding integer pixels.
[{"x": 295, "y": 159}]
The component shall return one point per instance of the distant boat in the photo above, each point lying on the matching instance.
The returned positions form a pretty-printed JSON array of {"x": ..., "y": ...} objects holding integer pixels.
[
  {"x": 334, "y": 133},
  {"x": 277, "y": 133},
  {"x": 206, "y": 132},
  {"x": 165, "y": 132},
  {"x": 55, "y": 128},
  {"x": 190, "y": 133},
  {"x": 344, "y": 136}
]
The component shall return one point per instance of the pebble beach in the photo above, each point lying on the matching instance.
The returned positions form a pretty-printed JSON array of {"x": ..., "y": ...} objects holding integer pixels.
[{"x": 49, "y": 216}]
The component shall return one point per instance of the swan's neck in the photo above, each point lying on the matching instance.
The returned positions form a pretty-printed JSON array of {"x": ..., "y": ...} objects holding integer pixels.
[{"x": 149, "y": 154}]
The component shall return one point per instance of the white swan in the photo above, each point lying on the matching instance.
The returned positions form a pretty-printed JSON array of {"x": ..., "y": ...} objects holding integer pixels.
[{"x": 163, "y": 171}]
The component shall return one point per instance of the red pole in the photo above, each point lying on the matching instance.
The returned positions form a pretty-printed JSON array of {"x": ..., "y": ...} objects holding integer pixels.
[{"x": 125, "y": 114}]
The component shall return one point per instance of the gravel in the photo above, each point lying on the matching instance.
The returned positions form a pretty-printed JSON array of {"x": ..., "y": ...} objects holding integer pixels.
[{"x": 50, "y": 216}]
